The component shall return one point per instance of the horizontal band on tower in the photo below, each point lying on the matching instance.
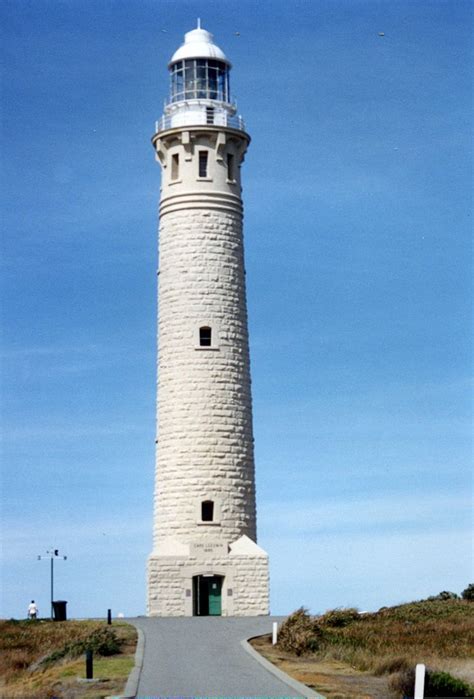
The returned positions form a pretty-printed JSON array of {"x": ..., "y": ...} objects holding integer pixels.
[
  {"x": 197, "y": 128},
  {"x": 222, "y": 201}
]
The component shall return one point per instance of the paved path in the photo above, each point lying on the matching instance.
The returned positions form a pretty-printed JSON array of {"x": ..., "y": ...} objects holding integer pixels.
[{"x": 203, "y": 656}]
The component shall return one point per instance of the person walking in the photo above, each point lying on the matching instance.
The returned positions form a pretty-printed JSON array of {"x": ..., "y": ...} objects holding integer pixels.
[{"x": 32, "y": 610}]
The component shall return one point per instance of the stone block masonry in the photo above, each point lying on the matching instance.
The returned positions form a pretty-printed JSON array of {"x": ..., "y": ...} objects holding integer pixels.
[
  {"x": 205, "y": 438},
  {"x": 205, "y": 558},
  {"x": 244, "y": 591}
]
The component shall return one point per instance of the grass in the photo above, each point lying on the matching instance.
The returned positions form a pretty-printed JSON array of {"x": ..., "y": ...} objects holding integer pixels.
[
  {"x": 438, "y": 629},
  {"x": 42, "y": 659},
  {"x": 439, "y": 633}
]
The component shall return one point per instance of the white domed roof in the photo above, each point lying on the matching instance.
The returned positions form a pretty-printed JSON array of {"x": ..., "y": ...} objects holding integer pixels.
[{"x": 198, "y": 43}]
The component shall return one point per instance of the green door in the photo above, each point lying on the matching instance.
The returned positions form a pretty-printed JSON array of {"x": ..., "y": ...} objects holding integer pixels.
[{"x": 215, "y": 586}]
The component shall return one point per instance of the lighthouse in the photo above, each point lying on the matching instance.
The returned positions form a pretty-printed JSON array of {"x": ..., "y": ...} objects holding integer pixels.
[{"x": 205, "y": 558}]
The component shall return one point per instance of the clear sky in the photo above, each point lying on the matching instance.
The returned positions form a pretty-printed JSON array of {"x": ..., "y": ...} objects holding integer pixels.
[{"x": 357, "y": 191}]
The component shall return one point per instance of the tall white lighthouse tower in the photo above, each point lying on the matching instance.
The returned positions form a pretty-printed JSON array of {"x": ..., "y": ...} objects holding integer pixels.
[{"x": 205, "y": 559}]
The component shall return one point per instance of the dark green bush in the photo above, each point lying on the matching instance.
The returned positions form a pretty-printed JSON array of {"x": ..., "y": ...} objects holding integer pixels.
[
  {"x": 102, "y": 641},
  {"x": 445, "y": 595},
  {"x": 437, "y": 684},
  {"x": 468, "y": 593},
  {"x": 442, "y": 684}
]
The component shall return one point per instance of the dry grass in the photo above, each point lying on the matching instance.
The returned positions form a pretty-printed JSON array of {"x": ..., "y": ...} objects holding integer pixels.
[
  {"x": 384, "y": 641},
  {"x": 439, "y": 633},
  {"x": 390, "y": 639},
  {"x": 25, "y": 645}
]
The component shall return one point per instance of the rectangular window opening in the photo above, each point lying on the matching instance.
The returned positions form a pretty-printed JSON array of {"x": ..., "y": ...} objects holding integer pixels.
[
  {"x": 175, "y": 166},
  {"x": 205, "y": 337},
  {"x": 207, "y": 511},
  {"x": 203, "y": 157},
  {"x": 231, "y": 167}
]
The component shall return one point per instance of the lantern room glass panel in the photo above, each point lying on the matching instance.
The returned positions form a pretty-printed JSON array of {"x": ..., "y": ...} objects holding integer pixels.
[{"x": 199, "y": 78}]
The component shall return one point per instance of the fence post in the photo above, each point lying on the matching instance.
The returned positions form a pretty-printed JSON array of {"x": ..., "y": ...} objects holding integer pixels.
[
  {"x": 420, "y": 681},
  {"x": 275, "y": 633},
  {"x": 89, "y": 665}
]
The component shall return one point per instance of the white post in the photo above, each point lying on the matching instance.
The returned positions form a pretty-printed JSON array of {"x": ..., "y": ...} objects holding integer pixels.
[
  {"x": 275, "y": 633},
  {"x": 420, "y": 681}
]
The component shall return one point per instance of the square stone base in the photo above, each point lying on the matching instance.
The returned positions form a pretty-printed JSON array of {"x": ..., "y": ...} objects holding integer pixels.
[{"x": 245, "y": 585}]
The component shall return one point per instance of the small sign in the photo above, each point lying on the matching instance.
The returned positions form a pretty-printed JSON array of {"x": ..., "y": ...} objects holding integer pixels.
[{"x": 208, "y": 548}]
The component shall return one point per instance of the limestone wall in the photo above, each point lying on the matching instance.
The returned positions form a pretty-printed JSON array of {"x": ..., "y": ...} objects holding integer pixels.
[
  {"x": 244, "y": 591},
  {"x": 205, "y": 439},
  {"x": 204, "y": 426}
]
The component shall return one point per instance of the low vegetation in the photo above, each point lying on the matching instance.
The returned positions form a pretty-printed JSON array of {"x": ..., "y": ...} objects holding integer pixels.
[
  {"x": 437, "y": 684},
  {"x": 387, "y": 644},
  {"x": 43, "y": 659}
]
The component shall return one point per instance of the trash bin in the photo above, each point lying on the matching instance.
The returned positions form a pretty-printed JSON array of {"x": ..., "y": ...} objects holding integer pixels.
[{"x": 59, "y": 610}]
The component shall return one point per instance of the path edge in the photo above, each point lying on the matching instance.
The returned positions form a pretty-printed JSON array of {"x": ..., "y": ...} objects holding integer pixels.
[
  {"x": 294, "y": 684},
  {"x": 131, "y": 688}
]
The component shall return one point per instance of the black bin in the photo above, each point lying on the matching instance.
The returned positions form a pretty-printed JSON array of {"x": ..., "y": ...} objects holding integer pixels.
[{"x": 59, "y": 610}]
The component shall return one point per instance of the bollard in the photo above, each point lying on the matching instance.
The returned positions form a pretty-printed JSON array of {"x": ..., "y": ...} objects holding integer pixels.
[
  {"x": 89, "y": 665},
  {"x": 109, "y": 616},
  {"x": 419, "y": 681},
  {"x": 275, "y": 633}
]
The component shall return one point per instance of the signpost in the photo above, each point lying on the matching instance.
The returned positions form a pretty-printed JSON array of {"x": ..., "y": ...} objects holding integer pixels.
[{"x": 52, "y": 554}]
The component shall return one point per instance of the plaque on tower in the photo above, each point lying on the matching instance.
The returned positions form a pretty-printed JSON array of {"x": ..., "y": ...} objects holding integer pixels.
[{"x": 208, "y": 548}]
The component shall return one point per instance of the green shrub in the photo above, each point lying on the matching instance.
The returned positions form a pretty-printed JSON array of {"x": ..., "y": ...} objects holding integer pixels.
[
  {"x": 468, "y": 593},
  {"x": 437, "y": 684},
  {"x": 102, "y": 641},
  {"x": 445, "y": 595},
  {"x": 299, "y": 633},
  {"x": 442, "y": 684},
  {"x": 340, "y": 617}
]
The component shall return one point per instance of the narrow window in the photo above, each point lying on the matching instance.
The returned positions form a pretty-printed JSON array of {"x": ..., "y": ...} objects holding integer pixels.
[
  {"x": 207, "y": 511},
  {"x": 203, "y": 163},
  {"x": 230, "y": 167},
  {"x": 205, "y": 336},
  {"x": 209, "y": 115},
  {"x": 175, "y": 166}
]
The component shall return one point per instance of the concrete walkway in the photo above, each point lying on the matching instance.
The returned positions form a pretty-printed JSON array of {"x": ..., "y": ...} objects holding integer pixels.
[{"x": 204, "y": 657}]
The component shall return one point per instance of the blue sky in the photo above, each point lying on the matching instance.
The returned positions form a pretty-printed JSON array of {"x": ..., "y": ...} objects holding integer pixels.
[{"x": 357, "y": 191}]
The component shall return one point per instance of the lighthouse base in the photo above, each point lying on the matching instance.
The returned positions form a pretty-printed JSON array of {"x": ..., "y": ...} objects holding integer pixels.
[{"x": 209, "y": 581}]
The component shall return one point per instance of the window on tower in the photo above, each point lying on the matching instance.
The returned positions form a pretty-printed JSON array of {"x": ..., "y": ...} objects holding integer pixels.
[
  {"x": 203, "y": 158},
  {"x": 175, "y": 166},
  {"x": 205, "y": 336},
  {"x": 207, "y": 511},
  {"x": 231, "y": 167}
]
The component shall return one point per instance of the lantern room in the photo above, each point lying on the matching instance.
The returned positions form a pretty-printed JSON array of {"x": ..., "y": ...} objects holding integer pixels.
[
  {"x": 199, "y": 78},
  {"x": 199, "y": 85}
]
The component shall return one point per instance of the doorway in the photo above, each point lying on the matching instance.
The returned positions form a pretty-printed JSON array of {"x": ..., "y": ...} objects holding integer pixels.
[{"x": 207, "y": 595}]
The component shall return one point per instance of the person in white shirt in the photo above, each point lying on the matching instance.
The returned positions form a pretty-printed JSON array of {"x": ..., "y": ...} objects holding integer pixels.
[{"x": 32, "y": 610}]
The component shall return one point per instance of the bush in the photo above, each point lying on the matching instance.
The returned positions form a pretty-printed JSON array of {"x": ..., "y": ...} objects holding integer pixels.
[
  {"x": 392, "y": 664},
  {"x": 338, "y": 618},
  {"x": 102, "y": 641},
  {"x": 442, "y": 684},
  {"x": 445, "y": 595},
  {"x": 299, "y": 633},
  {"x": 468, "y": 593},
  {"x": 437, "y": 684}
]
